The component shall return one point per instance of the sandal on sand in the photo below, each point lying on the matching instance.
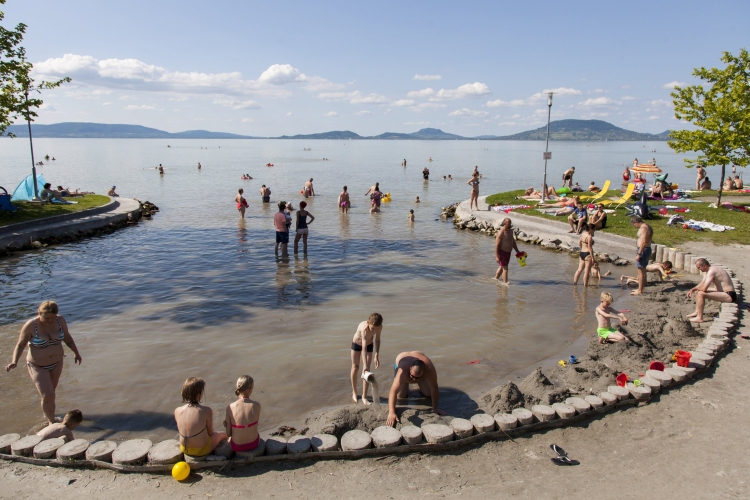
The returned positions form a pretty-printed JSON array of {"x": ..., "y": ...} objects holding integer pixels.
[
  {"x": 565, "y": 461},
  {"x": 560, "y": 452}
]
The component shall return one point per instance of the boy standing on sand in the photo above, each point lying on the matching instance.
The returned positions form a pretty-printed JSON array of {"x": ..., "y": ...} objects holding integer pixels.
[
  {"x": 604, "y": 313},
  {"x": 365, "y": 338},
  {"x": 504, "y": 243}
]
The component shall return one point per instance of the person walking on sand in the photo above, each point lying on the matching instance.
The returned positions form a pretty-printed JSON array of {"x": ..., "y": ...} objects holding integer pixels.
[
  {"x": 265, "y": 194},
  {"x": 309, "y": 189},
  {"x": 605, "y": 313},
  {"x": 241, "y": 203},
  {"x": 474, "y": 183},
  {"x": 505, "y": 241},
  {"x": 723, "y": 289},
  {"x": 643, "y": 254},
  {"x": 44, "y": 335},
  {"x": 365, "y": 339},
  {"x": 568, "y": 177},
  {"x": 282, "y": 230},
  {"x": 301, "y": 227},
  {"x": 586, "y": 257},
  {"x": 412, "y": 368},
  {"x": 700, "y": 175},
  {"x": 343, "y": 201}
]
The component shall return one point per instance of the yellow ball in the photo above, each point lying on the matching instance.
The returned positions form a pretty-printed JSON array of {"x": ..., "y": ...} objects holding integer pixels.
[{"x": 180, "y": 471}]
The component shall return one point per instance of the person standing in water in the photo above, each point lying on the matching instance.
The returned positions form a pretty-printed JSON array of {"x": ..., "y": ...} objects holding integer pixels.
[
  {"x": 568, "y": 177},
  {"x": 282, "y": 230},
  {"x": 643, "y": 253},
  {"x": 199, "y": 165},
  {"x": 504, "y": 243},
  {"x": 372, "y": 189},
  {"x": 301, "y": 226},
  {"x": 413, "y": 368},
  {"x": 365, "y": 339},
  {"x": 265, "y": 194},
  {"x": 474, "y": 183},
  {"x": 309, "y": 190},
  {"x": 586, "y": 242},
  {"x": 375, "y": 198},
  {"x": 161, "y": 169},
  {"x": 404, "y": 163},
  {"x": 241, "y": 203},
  {"x": 426, "y": 173},
  {"x": 343, "y": 201}
]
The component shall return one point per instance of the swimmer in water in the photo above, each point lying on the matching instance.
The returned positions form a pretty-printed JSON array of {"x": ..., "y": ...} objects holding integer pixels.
[
  {"x": 365, "y": 339},
  {"x": 417, "y": 200}
]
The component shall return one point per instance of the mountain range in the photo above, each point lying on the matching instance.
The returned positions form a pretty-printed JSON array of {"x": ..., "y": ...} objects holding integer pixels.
[{"x": 560, "y": 130}]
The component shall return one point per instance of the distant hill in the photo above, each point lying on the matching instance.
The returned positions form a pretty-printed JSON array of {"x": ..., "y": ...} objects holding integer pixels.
[
  {"x": 583, "y": 130},
  {"x": 110, "y": 131},
  {"x": 336, "y": 134}
]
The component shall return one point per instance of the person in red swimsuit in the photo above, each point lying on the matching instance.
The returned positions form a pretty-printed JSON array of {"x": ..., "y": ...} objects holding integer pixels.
[{"x": 242, "y": 417}]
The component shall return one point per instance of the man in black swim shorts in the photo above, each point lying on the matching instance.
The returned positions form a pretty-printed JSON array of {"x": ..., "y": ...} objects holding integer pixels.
[
  {"x": 724, "y": 289},
  {"x": 367, "y": 334}
]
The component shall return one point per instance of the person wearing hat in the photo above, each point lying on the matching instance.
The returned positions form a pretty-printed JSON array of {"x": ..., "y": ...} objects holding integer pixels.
[{"x": 112, "y": 193}]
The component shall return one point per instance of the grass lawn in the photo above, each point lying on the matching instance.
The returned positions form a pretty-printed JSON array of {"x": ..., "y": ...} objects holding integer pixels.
[
  {"x": 31, "y": 211},
  {"x": 619, "y": 223}
]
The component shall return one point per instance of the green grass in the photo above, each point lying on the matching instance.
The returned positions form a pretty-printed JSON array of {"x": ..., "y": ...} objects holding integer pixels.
[
  {"x": 32, "y": 211},
  {"x": 619, "y": 223}
]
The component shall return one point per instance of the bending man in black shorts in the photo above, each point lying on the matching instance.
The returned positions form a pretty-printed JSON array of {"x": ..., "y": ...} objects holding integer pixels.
[{"x": 368, "y": 334}]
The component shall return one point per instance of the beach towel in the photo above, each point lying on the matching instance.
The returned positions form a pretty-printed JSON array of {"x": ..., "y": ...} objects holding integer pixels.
[
  {"x": 708, "y": 225},
  {"x": 508, "y": 208}
]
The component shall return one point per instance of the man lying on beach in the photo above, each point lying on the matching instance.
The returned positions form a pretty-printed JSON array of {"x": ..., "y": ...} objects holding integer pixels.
[
  {"x": 663, "y": 268},
  {"x": 504, "y": 243},
  {"x": 605, "y": 313},
  {"x": 63, "y": 429},
  {"x": 412, "y": 368},
  {"x": 367, "y": 334},
  {"x": 723, "y": 289}
]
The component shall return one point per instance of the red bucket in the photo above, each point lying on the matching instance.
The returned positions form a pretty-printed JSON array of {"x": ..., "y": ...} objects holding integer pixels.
[
  {"x": 683, "y": 358},
  {"x": 622, "y": 379},
  {"x": 656, "y": 365}
]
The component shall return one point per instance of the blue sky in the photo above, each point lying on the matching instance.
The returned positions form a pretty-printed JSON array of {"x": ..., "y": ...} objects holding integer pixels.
[{"x": 273, "y": 68}]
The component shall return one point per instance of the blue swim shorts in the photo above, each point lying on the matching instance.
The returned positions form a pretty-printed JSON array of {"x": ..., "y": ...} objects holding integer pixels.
[
  {"x": 644, "y": 258},
  {"x": 282, "y": 237}
]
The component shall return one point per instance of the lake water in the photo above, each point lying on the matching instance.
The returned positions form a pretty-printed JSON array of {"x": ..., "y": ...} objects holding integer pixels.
[{"x": 196, "y": 292}]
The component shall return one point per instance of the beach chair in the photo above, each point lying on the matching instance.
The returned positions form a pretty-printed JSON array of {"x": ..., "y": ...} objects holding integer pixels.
[
  {"x": 592, "y": 198},
  {"x": 6, "y": 207},
  {"x": 619, "y": 201}
]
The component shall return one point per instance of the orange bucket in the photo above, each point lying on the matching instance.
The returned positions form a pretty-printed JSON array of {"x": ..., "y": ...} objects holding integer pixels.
[{"x": 683, "y": 358}]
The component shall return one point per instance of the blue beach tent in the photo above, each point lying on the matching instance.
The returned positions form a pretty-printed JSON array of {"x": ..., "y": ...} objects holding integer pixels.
[{"x": 25, "y": 190}]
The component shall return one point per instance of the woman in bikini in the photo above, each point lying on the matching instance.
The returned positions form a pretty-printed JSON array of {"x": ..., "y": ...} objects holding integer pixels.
[
  {"x": 241, "y": 203},
  {"x": 242, "y": 417},
  {"x": 586, "y": 242},
  {"x": 195, "y": 421},
  {"x": 44, "y": 334},
  {"x": 474, "y": 183},
  {"x": 301, "y": 227}
]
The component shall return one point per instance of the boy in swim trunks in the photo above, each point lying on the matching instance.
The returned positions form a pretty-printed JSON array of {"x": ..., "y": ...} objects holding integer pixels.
[
  {"x": 504, "y": 243},
  {"x": 367, "y": 334},
  {"x": 604, "y": 313},
  {"x": 65, "y": 429}
]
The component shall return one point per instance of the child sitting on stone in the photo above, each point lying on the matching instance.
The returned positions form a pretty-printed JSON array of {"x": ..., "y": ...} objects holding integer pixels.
[
  {"x": 663, "y": 268},
  {"x": 605, "y": 313},
  {"x": 63, "y": 429}
]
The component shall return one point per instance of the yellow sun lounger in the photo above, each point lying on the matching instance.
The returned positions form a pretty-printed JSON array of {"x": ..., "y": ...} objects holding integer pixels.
[
  {"x": 598, "y": 195},
  {"x": 624, "y": 198}
]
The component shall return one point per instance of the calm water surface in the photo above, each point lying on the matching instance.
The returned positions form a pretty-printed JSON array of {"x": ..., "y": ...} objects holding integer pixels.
[{"x": 196, "y": 292}]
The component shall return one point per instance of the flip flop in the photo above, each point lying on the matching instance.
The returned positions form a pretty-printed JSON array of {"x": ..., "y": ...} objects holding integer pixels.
[
  {"x": 560, "y": 452},
  {"x": 564, "y": 461}
]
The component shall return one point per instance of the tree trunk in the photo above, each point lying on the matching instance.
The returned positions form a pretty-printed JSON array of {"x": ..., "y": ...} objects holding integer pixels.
[{"x": 721, "y": 186}]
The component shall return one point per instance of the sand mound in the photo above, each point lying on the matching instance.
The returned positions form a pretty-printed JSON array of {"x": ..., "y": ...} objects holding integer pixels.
[
  {"x": 501, "y": 399},
  {"x": 537, "y": 389}
]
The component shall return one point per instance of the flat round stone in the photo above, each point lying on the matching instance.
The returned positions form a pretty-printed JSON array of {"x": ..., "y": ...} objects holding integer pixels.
[
  {"x": 580, "y": 404},
  {"x": 594, "y": 401},
  {"x": 356, "y": 440},
  {"x": 48, "y": 448},
  {"x": 257, "y": 452},
  {"x": 711, "y": 351},
  {"x": 437, "y": 433},
  {"x": 697, "y": 364},
  {"x": 688, "y": 370},
  {"x": 385, "y": 436},
  {"x": 132, "y": 452},
  {"x": 638, "y": 392},
  {"x": 298, "y": 444},
  {"x": 275, "y": 445},
  {"x": 7, "y": 440},
  {"x": 653, "y": 384},
  {"x": 721, "y": 342},
  {"x": 101, "y": 451},
  {"x": 24, "y": 447},
  {"x": 165, "y": 453},
  {"x": 195, "y": 460},
  {"x": 506, "y": 421},
  {"x": 608, "y": 398},
  {"x": 75, "y": 450},
  {"x": 524, "y": 416},
  {"x": 564, "y": 411},
  {"x": 411, "y": 434},
  {"x": 462, "y": 427},
  {"x": 621, "y": 393},
  {"x": 544, "y": 413},
  {"x": 324, "y": 442},
  {"x": 699, "y": 356},
  {"x": 482, "y": 423},
  {"x": 676, "y": 374}
]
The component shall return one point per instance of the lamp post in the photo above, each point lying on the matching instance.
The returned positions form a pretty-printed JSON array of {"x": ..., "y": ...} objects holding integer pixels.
[
  {"x": 547, "y": 154},
  {"x": 31, "y": 144}
]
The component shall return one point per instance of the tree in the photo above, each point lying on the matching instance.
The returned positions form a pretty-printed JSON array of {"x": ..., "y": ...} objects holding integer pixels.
[
  {"x": 720, "y": 113},
  {"x": 15, "y": 79}
]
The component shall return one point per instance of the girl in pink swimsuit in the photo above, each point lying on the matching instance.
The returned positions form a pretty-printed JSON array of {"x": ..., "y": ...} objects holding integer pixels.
[{"x": 242, "y": 417}]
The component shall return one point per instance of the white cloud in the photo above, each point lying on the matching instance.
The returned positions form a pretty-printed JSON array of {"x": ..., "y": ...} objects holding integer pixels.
[
  {"x": 598, "y": 102},
  {"x": 661, "y": 103},
  {"x": 279, "y": 74},
  {"x": 290, "y": 114},
  {"x": 416, "y": 123},
  {"x": 628, "y": 98},
  {"x": 597, "y": 91},
  {"x": 363, "y": 113},
  {"x": 533, "y": 100},
  {"x": 505, "y": 124},
  {"x": 142, "y": 107},
  {"x": 318, "y": 84},
  {"x": 431, "y": 105},
  {"x": 237, "y": 104},
  {"x": 247, "y": 120},
  {"x": 127, "y": 98},
  {"x": 403, "y": 102},
  {"x": 421, "y": 93},
  {"x": 505, "y": 104},
  {"x": 428, "y": 77},
  {"x": 672, "y": 85},
  {"x": 102, "y": 92},
  {"x": 106, "y": 103},
  {"x": 355, "y": 97},
  {"x": 468, "y": 112},
  {"x": 653, "y": 117},
  {"x": 331, "y": 113},
  {"x": 516, "y": 116},
  {"x": 625, "y": 86},
  {"x": 476, "y": 89}
]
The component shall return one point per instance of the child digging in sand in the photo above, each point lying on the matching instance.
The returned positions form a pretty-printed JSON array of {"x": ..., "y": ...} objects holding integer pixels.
[
  {"x": 367, "y": 334},
  {"x": 663, "y": 268},
  {"x": 64, "y": 429},
  {"x": 604, "y": 313}
]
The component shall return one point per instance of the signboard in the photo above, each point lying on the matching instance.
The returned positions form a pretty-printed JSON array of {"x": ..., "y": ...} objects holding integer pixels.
[{"x": 547, "y": 155}]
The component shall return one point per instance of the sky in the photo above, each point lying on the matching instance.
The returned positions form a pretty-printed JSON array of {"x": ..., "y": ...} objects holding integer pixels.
[{"x": 291, "y": 67}]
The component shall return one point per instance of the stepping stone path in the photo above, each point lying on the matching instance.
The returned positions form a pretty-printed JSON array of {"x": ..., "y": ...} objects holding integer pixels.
[
  {"x": 257, "y": 452},
  {"x": 324, "y": 442},
  {"x": 101, "y": 451},
  {"x": 75, "y": 450},
  {"x": 298, "y": 444},
  {"x": 165, "y": 453},
  {"x": 132, "y": 452},
  {"x": 620, "y": 392},
  {"x": 506, "y": 421},
  {"x": 687, "y": 370},
  {"x": 663, "y": 378},
  {"x": 580, "y": 404},
  {"x": 697, "y": 364},
  {"x": 699, "y": 356},
  {"x": 276, "y": 445},
  {"x": 356, "y": 440},
  {"x": 483, "y": 423},
  {"x": 385, "y": 436},
  {"x": 639, "y": 392},
  {"x": 437, "y": 433},
  {"x": 463, "y": 428},
  {"x": 653, "y": 384},
  {"x": 411, "y": 434},
  {"x": 677, "y": 374},
  {"x": 608, "y": 398},
  {"x": 594, "y": 401},
  {"x": 24, "y": 447},
  {"x": 543, "y": 413},
  {"x": 564, "y": 411},
  {"x": 6, "y": 441},
  {"x": 48, "y": 448},
  {"x": 524, "y": 416}
]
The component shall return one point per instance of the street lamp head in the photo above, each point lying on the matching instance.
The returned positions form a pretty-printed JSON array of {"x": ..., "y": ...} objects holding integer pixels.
[{"x": 549, "y": 99}]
